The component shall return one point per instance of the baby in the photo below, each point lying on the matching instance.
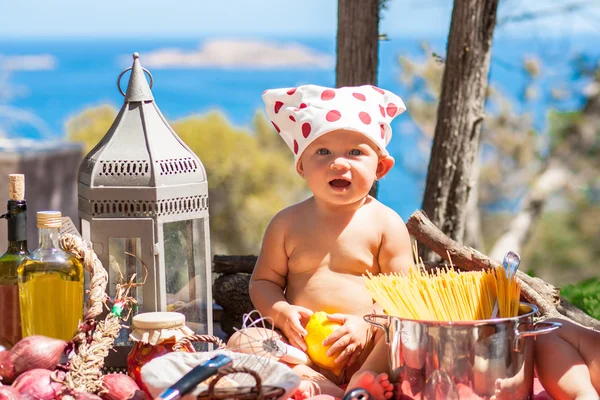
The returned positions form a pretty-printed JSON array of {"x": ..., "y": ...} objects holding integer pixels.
[
  {"x": 314, "y": 254},
  {"x": 567, "y": 362}
]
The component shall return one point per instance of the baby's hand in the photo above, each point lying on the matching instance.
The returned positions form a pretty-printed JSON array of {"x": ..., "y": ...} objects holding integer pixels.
[
  {"x": 293, "y": 319},
  {"x": 349, "y": 340}
]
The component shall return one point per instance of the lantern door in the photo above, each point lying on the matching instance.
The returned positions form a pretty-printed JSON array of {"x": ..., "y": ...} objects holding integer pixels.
[
  {"x": 127, "y": 247},
  {"x": 188, "y": 271}
]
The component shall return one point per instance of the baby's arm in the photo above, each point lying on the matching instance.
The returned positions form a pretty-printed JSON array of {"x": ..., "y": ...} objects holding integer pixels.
[
  {"x": 395, "y": 253},
  {"x": 269, "y": 280}
]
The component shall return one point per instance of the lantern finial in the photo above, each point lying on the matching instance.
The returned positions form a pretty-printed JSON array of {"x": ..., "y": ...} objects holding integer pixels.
[{"x": 138, "y": 89}]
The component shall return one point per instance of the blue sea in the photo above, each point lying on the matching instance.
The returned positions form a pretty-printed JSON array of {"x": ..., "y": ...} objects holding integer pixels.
[{"x": 86, "y": 70}]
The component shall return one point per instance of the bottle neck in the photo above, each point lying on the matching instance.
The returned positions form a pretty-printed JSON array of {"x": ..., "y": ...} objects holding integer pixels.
[
  {"x": 18, "y": 246},
  {"x": 17, "y": 224},
  {"x": 48, "y": 238}
]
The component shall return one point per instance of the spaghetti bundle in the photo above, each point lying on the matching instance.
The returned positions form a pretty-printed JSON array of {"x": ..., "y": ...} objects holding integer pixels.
[{"x": 445, "y": 294}]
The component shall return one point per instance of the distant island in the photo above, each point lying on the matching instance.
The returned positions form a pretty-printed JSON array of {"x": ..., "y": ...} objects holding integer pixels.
[{"x": 231, "y": 53}]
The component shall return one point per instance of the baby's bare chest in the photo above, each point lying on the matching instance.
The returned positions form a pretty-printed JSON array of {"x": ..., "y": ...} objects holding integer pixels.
[{"x": 352, "y": 250}]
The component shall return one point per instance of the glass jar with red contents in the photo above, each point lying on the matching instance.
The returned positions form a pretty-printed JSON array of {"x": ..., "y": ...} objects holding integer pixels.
[{"x": 154, "y": 335}]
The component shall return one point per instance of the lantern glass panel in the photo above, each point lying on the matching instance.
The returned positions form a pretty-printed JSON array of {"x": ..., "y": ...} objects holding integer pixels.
[
  {"x": 122, "y": 267},
  {"x": 185, "y": 266}
]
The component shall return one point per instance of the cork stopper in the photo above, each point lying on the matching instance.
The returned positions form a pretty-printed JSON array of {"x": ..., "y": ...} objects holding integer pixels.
[
  {"x": 159, "y": 320},
  {"x": 16, "y": 187},
  {"x": 49, "y": 219}
]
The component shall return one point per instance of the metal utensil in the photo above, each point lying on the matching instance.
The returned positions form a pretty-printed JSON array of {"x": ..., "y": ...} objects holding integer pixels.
[
  {"x": 510, "y": 263},
  {"x": 357, "y": 394},
  {"x": 513, "y": 263}
]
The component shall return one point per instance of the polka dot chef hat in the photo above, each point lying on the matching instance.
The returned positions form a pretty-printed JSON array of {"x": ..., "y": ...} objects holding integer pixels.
[{"x": 301, "y": 115}]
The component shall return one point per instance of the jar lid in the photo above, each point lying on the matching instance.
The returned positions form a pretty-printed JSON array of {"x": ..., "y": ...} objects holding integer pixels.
[
  {"x": 157, "y": 327},
  {"x": 158, "y": 320}
]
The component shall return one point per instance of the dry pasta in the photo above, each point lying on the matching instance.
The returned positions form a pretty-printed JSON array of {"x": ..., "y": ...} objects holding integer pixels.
[{"x": 445, "y": 294}]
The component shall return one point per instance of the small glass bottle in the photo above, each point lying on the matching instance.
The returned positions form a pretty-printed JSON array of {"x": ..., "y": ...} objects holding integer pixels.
[
  {"x": 154, "y": 334},
  {"x": 10, "y": 327},
  {"x": 50, "y": 285}
]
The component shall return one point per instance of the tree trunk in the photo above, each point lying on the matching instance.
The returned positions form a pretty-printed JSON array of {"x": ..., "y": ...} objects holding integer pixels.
[
  {"x": 357, "y": 43},
  {"x": 357, "y": 46},
  {"x": 460, "y": 114}
]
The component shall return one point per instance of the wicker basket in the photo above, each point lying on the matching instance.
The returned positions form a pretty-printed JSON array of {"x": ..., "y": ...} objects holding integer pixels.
[{"x": 256, "y": 392}]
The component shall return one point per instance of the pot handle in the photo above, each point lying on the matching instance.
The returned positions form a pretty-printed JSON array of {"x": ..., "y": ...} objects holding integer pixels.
[
  {"x": 550, "y": 327},
  {"x": 372, "y": 319}
]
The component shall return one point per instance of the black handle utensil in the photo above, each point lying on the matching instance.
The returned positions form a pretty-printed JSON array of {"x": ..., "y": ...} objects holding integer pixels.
[{"x": 198, "y": 374}]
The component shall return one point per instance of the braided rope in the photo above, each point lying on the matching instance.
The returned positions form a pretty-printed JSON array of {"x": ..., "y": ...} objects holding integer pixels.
[
  {"x": 85, "y": 367},
  {"x": 99, "y": 277}
]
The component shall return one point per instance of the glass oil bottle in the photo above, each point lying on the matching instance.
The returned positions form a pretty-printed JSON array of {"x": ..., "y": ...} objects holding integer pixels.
[
  {"x": 50, "y": 285},
  {"x": 16, "y": 216}
]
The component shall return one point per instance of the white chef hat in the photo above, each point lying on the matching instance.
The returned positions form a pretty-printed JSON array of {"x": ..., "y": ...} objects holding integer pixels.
[{"x": 304, "y": 113}]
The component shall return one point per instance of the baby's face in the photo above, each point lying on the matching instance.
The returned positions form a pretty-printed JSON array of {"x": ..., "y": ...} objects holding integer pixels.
[{"x": 341, "y": 166}]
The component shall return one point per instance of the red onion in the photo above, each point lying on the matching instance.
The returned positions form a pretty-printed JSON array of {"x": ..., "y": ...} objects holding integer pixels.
[
  {"x": 9, "y": 393},
  {"x": 119, "y": 387},
  {"x": 87, "y": 396},
  {"x": 7, "y": 369},
  {"x": 78, "y": 396},
  {"x": 39, "y": 385},
  {"x": 36, "y": 352},
  {"x": 140, "y": 395}
]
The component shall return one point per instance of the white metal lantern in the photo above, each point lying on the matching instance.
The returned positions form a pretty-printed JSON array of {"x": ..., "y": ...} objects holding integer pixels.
[{"x": 143, "y": 191}]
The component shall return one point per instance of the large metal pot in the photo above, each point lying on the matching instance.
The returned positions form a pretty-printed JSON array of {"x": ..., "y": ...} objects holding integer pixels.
[{"x": 453, "y": 360}]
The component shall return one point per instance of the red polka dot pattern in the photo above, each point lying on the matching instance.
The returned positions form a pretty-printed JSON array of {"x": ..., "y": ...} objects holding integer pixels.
[
  {"x": 382, "y": 110},
  {"x": 306, "y": 128},
  {"x": 359, "y": 96},
  {"x": 295, "y": 147},
  {"x": 378, "y": 90},
  {"x": 392, "y": 109},
  {"x": 292, "y": 118},
  {"x": 276, "y": 127},
  {"x": 291, "y": 91},
  {"x": 277, "y": 107},
  {"x": 333, "y": 115},
  {"x": 364, "y": 117},
  {"x": 327, "y": 94},
  {"x": 382, "y": 127},
  {"x": 300, "y": 107}
]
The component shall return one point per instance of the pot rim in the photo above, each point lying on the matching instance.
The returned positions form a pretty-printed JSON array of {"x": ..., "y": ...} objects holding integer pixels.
[{"x": 532, "y": 309}]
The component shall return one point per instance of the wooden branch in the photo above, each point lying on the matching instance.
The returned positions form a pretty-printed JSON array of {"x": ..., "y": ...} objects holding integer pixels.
[
  {"x": 233, "y": 264},
  {"x": 535, "y": 290},
  {"x": 574, "y": 313}
]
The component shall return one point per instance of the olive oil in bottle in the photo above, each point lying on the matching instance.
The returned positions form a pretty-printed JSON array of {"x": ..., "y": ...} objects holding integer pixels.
[
  {"x": 50, "y": 285},
  {"x": 10, "y": 325}
]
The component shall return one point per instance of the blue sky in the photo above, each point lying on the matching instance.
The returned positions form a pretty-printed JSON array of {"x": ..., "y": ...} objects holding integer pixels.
[{"x": 185, "y": 18}]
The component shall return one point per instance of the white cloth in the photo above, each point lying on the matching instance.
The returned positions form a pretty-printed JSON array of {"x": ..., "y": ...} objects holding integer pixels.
[
  {"x": 301, "y": 115},
  {"x": 162, "y": 372}
]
